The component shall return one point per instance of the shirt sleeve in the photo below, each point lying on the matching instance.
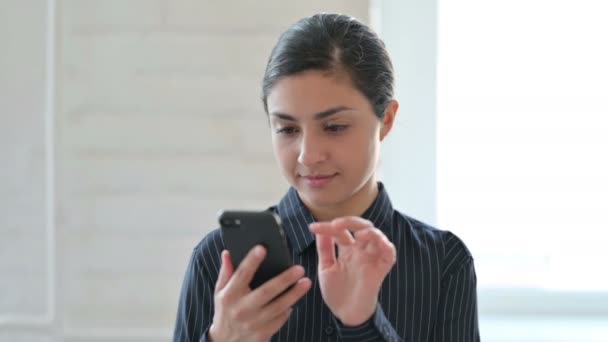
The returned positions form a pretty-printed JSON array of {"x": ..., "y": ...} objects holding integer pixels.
[
  {"x": 378, "y": 328},
  {"x": 457, "y": 314},
  {"x": 195, "y": 307}
]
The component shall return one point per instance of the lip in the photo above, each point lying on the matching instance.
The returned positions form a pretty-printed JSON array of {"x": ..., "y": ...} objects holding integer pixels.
[{"x": 318, "y": 181}]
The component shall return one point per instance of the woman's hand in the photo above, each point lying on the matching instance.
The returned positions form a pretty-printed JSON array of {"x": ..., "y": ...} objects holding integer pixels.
[
  {"x": 253, "y": 315},
  {"x": 350, "y": 282}
]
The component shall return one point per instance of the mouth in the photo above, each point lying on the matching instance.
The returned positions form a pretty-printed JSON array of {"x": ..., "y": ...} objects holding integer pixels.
[{"x": 318, "y": 181}]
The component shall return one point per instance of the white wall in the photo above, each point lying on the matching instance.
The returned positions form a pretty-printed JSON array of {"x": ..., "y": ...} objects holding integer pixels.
[
  {"x": 157, "y": 125},
  {"x": 408, "y": 27},
  {"x": 24, "y": 280}
]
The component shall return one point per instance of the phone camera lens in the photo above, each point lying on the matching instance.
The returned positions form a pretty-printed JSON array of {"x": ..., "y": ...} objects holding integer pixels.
[{"x": 229, "y": 222}]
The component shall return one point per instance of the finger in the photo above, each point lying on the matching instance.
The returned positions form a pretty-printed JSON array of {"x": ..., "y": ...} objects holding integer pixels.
[
  {"x": 245, "y": 271},
  {"x": 286, "y": 300},
  {"x": 226, "y": 270},
  {"x": 363, "y": 236},
  {"x": 274, "y": 287},
  {"x": 342, "y": 236},
  {"x": 368, "y": 243},
  {"x": 375, "y": 242},
  {"x": 389, "y": 252},
  {"x": 352, "y": 223},
  {"x": 273, "y": 326},
  {"x": 325, "y": 251}
]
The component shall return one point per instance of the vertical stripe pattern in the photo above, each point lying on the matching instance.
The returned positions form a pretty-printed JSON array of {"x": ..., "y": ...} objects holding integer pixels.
[{"x": 429, "y": 295}]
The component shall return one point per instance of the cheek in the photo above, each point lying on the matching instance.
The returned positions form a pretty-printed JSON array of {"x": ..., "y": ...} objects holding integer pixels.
[
  {"x": 360, "y": 150},
  {"x": 284, "y": 153}
]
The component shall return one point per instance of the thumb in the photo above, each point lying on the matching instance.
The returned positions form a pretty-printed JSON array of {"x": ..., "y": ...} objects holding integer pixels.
[
  {"x": 226, "y": 271},
  {"x": 325, "y": 251}
]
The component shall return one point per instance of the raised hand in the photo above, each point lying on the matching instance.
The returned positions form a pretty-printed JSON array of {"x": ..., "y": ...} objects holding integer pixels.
[{"x": 350, "y": 281}]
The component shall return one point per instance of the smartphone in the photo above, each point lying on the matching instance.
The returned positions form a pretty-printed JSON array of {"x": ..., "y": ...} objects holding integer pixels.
[{"x": 243, "y": 230}]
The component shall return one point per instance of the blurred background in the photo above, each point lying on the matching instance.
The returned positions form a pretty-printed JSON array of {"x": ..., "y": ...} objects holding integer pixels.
[{"x": 126, "y": 125}]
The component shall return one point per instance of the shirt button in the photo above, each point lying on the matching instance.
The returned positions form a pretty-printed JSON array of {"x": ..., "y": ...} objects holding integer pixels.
[
  {"x": 329, "y": 330},
  {"x": 386, "y": 330}
]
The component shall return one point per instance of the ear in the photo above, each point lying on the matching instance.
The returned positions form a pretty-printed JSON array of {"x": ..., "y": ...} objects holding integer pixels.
[{"x": 389, "y": 118}]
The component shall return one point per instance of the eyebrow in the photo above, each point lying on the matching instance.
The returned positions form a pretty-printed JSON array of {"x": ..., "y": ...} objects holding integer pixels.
[{"x": 321, "y": 115}]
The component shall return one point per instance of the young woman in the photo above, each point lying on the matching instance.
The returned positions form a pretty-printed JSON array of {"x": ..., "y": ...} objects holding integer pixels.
[{"x": 364, "y": 271}]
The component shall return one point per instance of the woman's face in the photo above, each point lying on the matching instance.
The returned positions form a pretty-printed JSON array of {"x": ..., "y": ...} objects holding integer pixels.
[{"x": 325, "y": 135}]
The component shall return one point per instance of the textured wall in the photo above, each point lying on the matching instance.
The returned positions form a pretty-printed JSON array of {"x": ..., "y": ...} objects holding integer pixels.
[{"x": 158, "y": 125}]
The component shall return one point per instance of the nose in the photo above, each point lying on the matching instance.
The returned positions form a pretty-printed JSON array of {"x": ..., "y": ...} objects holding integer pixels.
[{"x": 312, "y": 150}]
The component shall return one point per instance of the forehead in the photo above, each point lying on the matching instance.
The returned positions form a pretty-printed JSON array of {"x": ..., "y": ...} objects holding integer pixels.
[{"x": 310, "y": 92}]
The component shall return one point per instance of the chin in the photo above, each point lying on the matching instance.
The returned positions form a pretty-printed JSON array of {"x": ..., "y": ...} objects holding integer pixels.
[{"x": 319, "y": 200}]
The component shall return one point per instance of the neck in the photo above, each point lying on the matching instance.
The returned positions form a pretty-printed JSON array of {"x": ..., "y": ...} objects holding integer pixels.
[{"x": 353, "y": 206}]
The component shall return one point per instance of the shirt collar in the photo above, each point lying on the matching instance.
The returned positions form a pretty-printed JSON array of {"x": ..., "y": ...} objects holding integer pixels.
[{"x": 296, "y": 217}]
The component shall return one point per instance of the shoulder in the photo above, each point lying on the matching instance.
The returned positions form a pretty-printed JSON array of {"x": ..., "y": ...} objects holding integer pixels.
[
  {"x": 450, "y": 252},
  {"x": 207, "y": 253}
]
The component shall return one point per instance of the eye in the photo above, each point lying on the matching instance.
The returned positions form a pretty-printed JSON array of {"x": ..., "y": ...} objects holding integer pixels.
[
  {"x": 288, "y": 130},
  {"x": 336, "y": 128}
]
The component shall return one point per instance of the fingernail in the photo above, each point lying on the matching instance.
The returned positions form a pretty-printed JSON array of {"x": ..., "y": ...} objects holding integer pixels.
[{"x": 259, "y": 250}]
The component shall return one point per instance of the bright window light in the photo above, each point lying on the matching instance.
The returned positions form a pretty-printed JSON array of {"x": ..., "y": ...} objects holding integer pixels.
[{"x": 522, "y": 139}]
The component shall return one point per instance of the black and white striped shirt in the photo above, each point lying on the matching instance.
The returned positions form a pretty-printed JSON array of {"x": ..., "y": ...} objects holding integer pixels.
[{"x": 429, "y": 295}]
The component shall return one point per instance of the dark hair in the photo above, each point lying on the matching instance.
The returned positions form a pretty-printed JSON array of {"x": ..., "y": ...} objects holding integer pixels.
[{"x": 334, "y": 43}]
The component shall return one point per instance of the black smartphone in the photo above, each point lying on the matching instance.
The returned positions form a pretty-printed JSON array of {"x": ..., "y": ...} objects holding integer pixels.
[{"x": 243, "y": 230}]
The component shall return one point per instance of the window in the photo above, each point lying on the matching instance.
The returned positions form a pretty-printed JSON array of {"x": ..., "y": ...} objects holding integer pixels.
[
  {"x": 510, "y": 98},
  {"x": 522, "y": 139}
]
